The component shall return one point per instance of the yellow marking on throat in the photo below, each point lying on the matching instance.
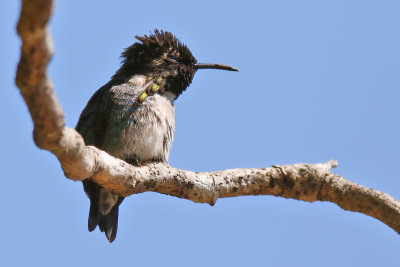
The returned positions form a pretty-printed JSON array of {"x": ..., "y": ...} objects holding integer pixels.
[
  {"x": 155, "y": 87},
  {"x": 151, "y": 89},
  {"x": 159, "y": 80},
  {"x": 142, "y": 96}
]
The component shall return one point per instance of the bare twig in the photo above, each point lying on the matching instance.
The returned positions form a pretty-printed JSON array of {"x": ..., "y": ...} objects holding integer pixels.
[{"x": 308, "y": 182}]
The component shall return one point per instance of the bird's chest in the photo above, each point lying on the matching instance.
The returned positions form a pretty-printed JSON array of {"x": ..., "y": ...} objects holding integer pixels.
[{"x": 144, "y": 132}]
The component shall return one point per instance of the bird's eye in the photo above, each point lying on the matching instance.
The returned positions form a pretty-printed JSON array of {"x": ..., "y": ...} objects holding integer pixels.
[{"x": 172, "y": 58}]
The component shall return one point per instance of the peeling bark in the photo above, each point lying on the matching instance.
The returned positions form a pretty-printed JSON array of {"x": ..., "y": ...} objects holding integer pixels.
[{"x": 308, "y": 182}]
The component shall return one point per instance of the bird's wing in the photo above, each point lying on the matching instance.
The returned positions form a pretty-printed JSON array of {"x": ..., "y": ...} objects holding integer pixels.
[
  {"x": 93, "y": 121},
  {"x": 92, "y": 125}
]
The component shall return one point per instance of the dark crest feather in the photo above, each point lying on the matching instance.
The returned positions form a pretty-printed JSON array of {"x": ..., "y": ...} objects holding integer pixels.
[
  {"x": 162, "y": 40},
  {"x": 155, "y": 44}
]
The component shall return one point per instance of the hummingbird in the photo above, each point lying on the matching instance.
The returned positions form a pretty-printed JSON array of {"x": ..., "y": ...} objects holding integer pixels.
[{"x": 131, "y": 117}]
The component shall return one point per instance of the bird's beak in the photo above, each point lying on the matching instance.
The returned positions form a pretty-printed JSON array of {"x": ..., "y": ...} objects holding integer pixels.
[{"x": 214, "y": 66}]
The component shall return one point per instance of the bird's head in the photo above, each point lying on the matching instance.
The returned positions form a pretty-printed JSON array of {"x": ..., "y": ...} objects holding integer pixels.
[{"x": 162, "y": 54}]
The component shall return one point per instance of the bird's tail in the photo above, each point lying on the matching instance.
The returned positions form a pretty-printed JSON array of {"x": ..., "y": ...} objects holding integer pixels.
[{"x": 103, "y": 212}]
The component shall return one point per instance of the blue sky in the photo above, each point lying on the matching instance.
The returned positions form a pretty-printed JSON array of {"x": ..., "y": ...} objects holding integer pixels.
[{"x": 319, "y": 80}]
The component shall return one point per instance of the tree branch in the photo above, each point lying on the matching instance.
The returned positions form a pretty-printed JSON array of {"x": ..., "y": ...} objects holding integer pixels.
[{"x": 299, "y": 181}]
